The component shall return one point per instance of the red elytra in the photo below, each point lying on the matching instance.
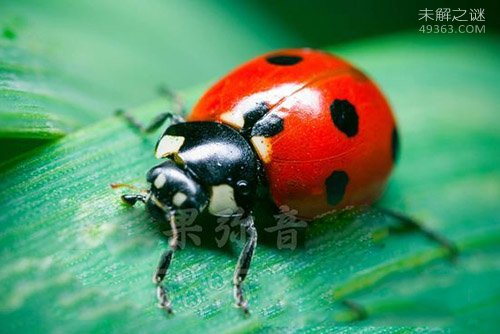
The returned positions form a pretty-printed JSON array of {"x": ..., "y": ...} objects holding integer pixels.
[{"x": 338, "y": 138}]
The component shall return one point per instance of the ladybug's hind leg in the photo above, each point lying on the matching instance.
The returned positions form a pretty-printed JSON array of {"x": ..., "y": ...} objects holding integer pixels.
[
  {"x": 358, "y": 310},
  {"x": 244, "y": 261},
  {"x": 411, "y": 224}
]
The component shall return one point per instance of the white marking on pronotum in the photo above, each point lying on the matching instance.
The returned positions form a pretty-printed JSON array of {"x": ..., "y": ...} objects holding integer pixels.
[
  {"x": 233, "y": 118},
  {"x": 222, "y": 200},
  {"x": 160, "y": 181},
  {"x": 169, "y": 145},
  {"x": 263, "y": 147},
  {"x": 179, "y": 198}
]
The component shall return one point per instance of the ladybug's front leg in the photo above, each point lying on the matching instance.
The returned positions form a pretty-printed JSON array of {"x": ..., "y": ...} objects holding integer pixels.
[
  {"x": 244, "y": 261},
  {"x": 163, "y": 265}
]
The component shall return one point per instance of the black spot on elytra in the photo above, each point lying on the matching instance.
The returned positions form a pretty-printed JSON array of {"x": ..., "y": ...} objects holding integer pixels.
[
  {"x": 344, "y": 117},
  {"x": 335, "y": 187},
  {"x": 252, "y": 116},
  {"x": 284, "y": 60},
  {"x": 395, "y": 145},
  {"x": 268, "y": 126}
]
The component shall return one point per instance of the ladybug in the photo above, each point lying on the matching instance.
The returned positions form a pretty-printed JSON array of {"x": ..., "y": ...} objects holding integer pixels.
[{"x": 306, "y": 125}]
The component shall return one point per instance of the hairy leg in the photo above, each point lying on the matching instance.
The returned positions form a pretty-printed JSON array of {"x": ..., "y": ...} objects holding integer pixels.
[
  {"x": 244, "y": 262},
  {"x": 163, "y": 265}
]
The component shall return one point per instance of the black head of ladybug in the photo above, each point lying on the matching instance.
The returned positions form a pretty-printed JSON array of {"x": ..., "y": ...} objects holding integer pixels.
[
  {"x": 207, "y": 165},
  {"x": 173, "y": 188}
]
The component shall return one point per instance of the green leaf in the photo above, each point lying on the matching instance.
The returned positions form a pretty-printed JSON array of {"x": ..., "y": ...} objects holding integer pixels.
[
  {"x": 65, "y": 66},
  {"x": 38, "y": 100},
  {"x": 78, "y": 63},
  {"x": 75, "y": 259}
]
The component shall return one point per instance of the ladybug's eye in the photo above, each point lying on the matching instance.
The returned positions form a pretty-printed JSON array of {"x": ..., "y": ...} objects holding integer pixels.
[{"x": 284, "y": 60}]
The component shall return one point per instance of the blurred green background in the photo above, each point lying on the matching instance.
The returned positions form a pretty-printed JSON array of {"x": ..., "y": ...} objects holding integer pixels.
[{"x": 75, "y": 260}]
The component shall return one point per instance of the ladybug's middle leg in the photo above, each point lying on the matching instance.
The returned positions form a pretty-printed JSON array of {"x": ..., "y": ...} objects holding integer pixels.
[
  {"x": 244, "y": 261},
  {"x": 163, "y": 265},
  {"x": 155, "y": 123},
  {"x": 159, "y": 120}
]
